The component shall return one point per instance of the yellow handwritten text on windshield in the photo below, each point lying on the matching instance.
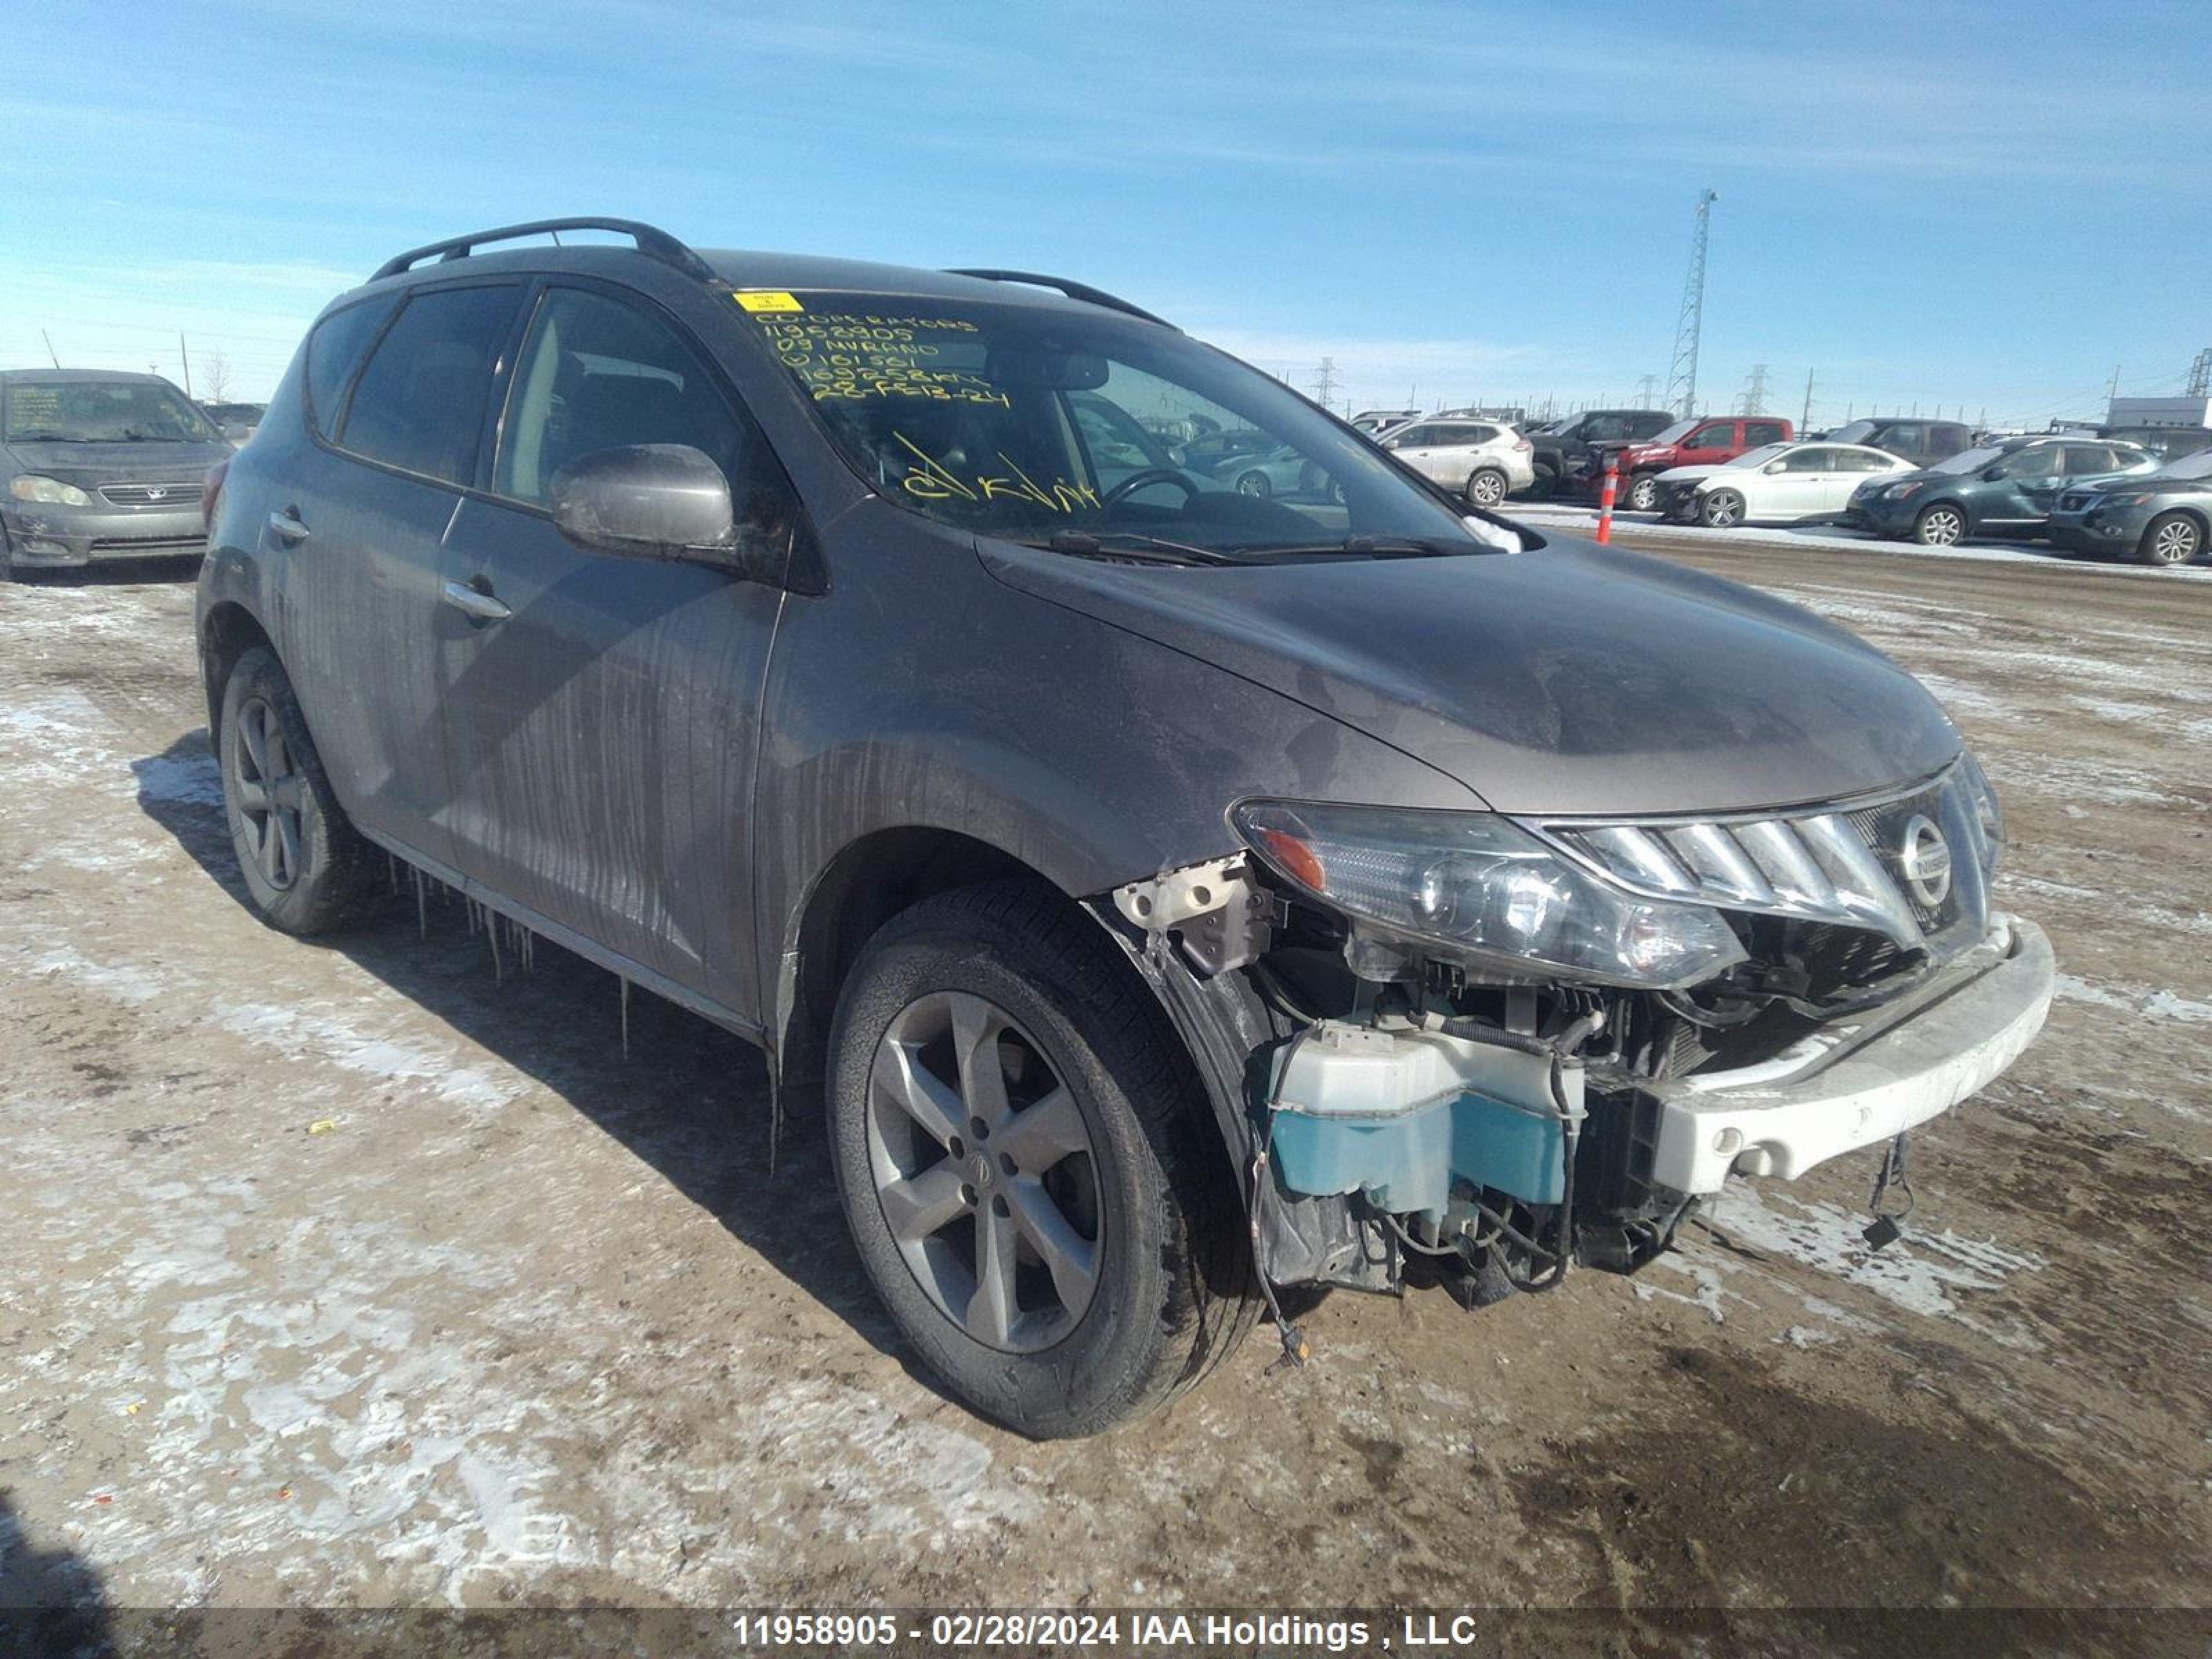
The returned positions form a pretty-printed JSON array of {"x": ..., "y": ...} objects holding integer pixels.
[
  {"x": 931, "y": 480},
  {"x": 864, "y": 355}
]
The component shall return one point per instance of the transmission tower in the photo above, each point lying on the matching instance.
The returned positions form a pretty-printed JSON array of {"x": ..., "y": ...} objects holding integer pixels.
[
  {"x": 1647, "y": 387},
  {"x": 1682, "y": 379},
  {"x": 2200, "y": 374},
  {"x": 1324, "y": 386},
  {"x": 1753, "y": 400}
]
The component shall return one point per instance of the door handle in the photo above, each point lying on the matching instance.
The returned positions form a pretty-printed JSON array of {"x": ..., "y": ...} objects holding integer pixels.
[
  {"x": 475, "y": 604},
  {"x": 287, "y": 527}
]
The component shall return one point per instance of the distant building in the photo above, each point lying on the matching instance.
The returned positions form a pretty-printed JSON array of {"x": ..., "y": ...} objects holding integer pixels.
[{"x": 2160, "y": 411}]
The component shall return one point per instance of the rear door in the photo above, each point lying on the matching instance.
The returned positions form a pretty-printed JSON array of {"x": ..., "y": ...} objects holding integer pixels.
[
  {"x": 604, "y": 729},
  {"x": 355, "y": 537}
]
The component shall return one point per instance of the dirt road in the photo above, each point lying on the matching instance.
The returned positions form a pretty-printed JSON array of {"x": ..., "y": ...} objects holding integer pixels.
[{"x": 350, "y": 1272}]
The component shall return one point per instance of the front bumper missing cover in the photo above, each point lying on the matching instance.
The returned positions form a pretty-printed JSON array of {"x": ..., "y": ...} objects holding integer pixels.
[{"x": 1860, "y": 1082}]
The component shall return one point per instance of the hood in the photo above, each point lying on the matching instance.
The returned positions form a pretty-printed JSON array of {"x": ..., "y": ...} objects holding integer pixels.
[
  {"x": 1639, "y": 454},
  {"x": 1689, "y": 474},
  {"x": 89, "y": 464},
  {"x": 1568, "y": 680}
]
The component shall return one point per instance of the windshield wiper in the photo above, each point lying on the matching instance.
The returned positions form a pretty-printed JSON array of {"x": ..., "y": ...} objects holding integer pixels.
[
  {"x": 1132, "y": 544},
  {"x": 1376, "y": 547}
]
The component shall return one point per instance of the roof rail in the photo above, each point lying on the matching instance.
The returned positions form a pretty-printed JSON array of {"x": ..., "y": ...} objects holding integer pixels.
[
  {"x": 651, "y": 243},
  {"x": 1084, "y": 291}
]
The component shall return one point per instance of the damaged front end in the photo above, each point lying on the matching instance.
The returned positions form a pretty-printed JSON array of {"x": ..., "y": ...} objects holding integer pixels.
[{"x": 1474, "y": 1049}]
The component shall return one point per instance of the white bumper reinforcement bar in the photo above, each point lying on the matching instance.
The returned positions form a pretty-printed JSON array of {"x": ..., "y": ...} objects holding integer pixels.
[{"x": 1860, "y": 1082}]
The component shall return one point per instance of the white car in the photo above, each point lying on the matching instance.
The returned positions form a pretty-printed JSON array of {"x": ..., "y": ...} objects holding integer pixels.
[
  {"x": 1484, "y": 461},
  {"x": 1775, "y": 484}
]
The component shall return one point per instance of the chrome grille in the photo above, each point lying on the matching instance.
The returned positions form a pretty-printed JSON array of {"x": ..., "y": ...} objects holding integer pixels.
[
  {"x": 1850, "y": 863},
  {"x": 155, "y": 494}
]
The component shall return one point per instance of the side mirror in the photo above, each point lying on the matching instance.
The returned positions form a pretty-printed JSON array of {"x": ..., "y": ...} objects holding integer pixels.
[
  {"x": 1992, "y": 474},
  {"x": 647, "y": 502},
  {"x": 1773, "y": 466}
]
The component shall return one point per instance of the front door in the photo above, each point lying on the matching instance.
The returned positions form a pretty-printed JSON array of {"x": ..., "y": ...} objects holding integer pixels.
[
  {"x": 1416, "y": 447},
  {"x": 604, "y": 711},
  {"x": 2026, "y": 487},
  {"x": 1709, "y": 445}
]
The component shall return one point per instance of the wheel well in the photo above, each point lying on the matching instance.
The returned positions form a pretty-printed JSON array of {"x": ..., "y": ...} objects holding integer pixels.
[
  {"x": 864, "y": 886},
  {"x": 228, "y": 633}
]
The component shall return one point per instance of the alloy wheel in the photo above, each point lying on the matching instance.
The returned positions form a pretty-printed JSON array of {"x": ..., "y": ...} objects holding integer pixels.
[
  {"x": 983, "y": 1164},
  {"x": 2174, "y": 541},
  {"x": 1644, "y": 494},
  {"x": 1485, "y": 489},
  {"x": 271, "y": 793},
  {"x": 1941, "y": 526}
]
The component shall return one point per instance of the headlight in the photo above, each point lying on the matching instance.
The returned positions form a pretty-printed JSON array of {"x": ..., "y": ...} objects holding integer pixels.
[
  {"x": 1483, "y": 884},
  {"x": 1989, "y": 816},
  {"x": 1900, "y": 492},
  {"x": 52, "y": 492},
  {"x": 2133, "y": 498}
]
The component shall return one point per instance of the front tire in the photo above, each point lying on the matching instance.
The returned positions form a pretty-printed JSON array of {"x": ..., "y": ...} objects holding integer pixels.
[
  {"x": 1940, "y": 526},
  {"x": 1644, "y": 493},
  {"x": 1029, "y": 1167},
  {"x": 1254, "y": 483},
  {"x": 1486, "y": 487},
  {"x": 305, "y": 867},
  {"x": 1721, "y": 509},
  {"x": 2170, "y": 540}
]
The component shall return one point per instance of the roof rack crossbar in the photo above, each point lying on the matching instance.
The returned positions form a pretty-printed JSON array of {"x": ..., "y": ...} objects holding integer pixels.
[
  {"x": 1084, "y": 291},
  {"x": 653, "y": 243}
]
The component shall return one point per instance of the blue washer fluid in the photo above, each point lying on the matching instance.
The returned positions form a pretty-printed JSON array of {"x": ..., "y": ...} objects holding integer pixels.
[{"x": 1396, "y": 1115}]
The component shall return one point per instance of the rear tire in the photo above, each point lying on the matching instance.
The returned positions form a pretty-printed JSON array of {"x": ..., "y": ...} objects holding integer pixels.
[
  {"x": 2170, "y": 540},
  {"x": 1153, "y": 1246},
  {"x": 1486, "y": 487},
  {"x": 1940, "y": 526},
  {"x": 306, "y": 869},
  {"x": 1721, "y": 509}
]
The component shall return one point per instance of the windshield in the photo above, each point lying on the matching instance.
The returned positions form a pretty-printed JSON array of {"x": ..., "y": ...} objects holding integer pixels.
[
  {"x": 1089, "y": 431},
  {"x": 102, "y": 411},
  {"x": 1968, "y": 460},
  {"x": 2198, "y": 465},
  {"x": 1759, "y": 457},
  {"x": 1675, "y": 434}
]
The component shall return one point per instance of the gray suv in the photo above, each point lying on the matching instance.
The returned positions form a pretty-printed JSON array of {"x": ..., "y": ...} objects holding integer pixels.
[
  {"x": 1166, "y": 894},
  {"x": 100, "y": 468}
]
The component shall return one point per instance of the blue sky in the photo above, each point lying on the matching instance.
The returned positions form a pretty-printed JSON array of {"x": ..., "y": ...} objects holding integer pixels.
[{"x": 1955, "y": 204}]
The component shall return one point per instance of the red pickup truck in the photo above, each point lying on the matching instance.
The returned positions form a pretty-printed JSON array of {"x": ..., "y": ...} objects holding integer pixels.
[{"x": 1702, "y": 441}]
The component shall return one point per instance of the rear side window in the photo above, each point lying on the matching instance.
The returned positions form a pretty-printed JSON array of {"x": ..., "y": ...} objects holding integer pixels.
[
  {"x": 1762, "y": 432},
  {"x": 1946, "y": 439},
  {"x": 334, "y": 352},
  {"x": 420, "y": 403}
]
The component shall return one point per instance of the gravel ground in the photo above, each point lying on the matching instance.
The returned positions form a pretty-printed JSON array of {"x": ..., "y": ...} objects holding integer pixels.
[{"x": 348, "y": 1273}]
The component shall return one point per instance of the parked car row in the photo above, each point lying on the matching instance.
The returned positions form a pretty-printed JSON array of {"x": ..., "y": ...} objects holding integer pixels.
[{"x": 2085, "y": 495}]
